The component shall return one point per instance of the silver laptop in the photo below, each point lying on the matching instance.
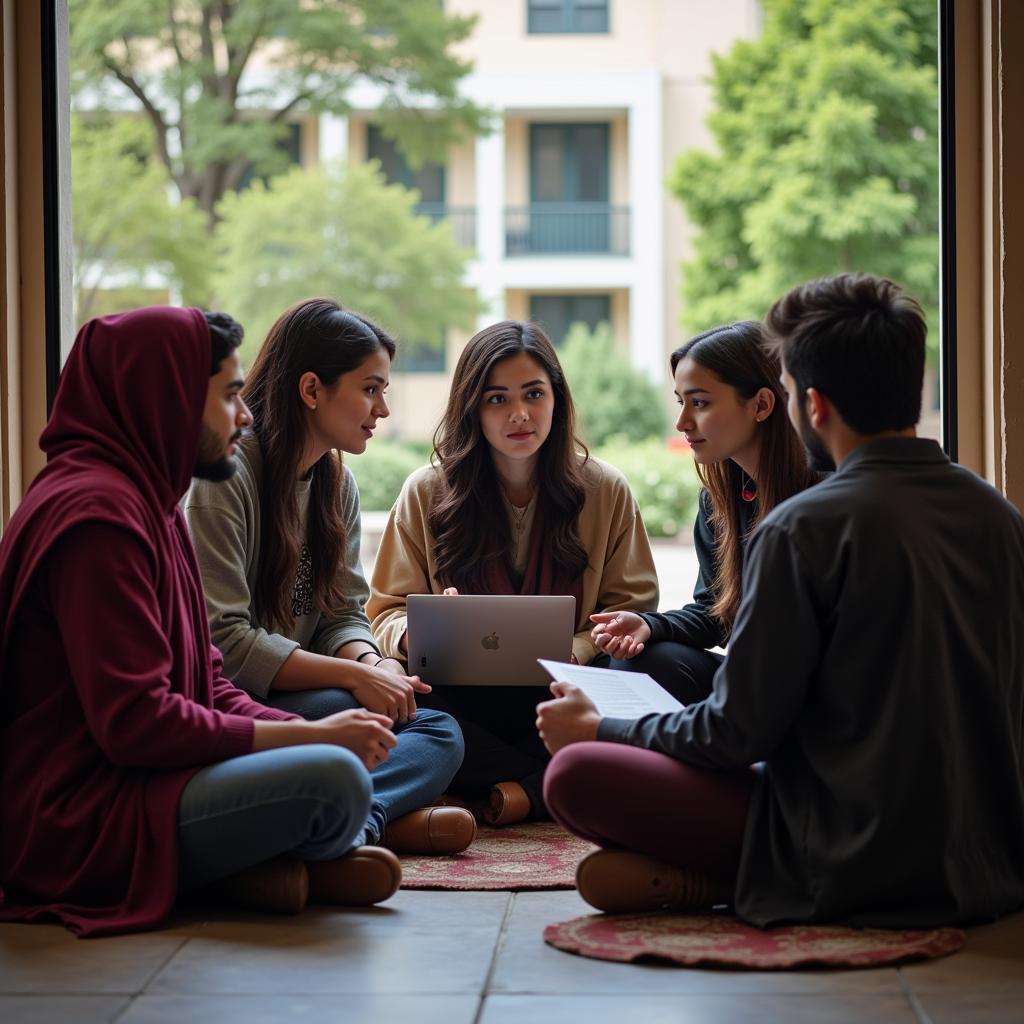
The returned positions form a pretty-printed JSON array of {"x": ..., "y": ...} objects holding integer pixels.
[{"x": 487, "y": 640}]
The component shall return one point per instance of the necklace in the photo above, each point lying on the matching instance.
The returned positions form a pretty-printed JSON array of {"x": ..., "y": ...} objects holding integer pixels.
[
  {"x": 748, "y": 490},
  {"x": 518, "y": 514},
  {"x": 518, "y": 517}
]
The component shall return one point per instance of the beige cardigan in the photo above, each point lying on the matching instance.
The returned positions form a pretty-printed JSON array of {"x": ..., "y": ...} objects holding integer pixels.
[{"x": 621, "y": 573}]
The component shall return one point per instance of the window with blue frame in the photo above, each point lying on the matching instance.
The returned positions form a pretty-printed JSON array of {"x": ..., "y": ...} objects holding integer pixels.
[
  {"x": 546, "y": 17},
  {"x": 423, "y": 357},
  {"x": 569, "y": 186},
  {"x": 428, "y": 180},
  {"x": 557, "y": 313}
]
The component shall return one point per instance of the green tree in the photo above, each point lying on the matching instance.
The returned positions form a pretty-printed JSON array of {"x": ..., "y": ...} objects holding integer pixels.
[
  {"x": 612, "y": 398},
  {"x": 125, "y": 228},
  {"x": 340, "y": 231},
  {"x": 218, "y": 79},
  {"x": 827, "y": 158}
]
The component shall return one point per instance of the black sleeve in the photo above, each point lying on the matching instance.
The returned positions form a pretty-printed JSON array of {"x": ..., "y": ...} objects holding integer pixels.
[
  {"x": 693, "y": 624},
  {"x": 761, "y": 686}
]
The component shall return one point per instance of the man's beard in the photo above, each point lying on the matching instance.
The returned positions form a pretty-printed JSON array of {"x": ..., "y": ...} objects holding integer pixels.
[
  {"x": 211, "y": 462},
  {"x": 817, "y": 454}
]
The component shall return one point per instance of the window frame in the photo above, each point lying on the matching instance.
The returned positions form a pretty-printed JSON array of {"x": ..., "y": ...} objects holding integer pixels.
[{"x": 569, "y": 11}]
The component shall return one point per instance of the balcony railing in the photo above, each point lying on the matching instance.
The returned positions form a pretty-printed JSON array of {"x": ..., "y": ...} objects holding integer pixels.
[
  {"x": 461, "y": 218},
  {"x": 567, "y": 229}
]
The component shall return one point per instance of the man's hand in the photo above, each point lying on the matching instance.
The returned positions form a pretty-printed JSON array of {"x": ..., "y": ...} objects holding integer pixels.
[
  {"x": 367, "y": 735},
  {"x": 619, "y": 634},
  {"x": 570, "y": 718},
  {"x": 385, "y": 689}
]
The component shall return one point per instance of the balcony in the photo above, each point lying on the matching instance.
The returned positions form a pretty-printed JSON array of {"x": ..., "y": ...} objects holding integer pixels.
[
  {"x": 564, "y": 229},
  {"x": 461, "y": 218}
]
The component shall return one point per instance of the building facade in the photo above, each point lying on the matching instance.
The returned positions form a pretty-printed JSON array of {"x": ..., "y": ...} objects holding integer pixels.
[{"x": 564, "y": 205}]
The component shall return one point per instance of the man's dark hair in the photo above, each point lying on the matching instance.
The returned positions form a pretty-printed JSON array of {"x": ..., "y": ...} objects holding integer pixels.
[
  {"x": 225, "y": 336},
  {"x": 858, "y": 340}
]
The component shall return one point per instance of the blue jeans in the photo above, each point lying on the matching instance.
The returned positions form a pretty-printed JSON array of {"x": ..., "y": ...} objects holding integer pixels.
[
  {"x": 429, "y": 751},
  {"x": 312, "y": 802}
]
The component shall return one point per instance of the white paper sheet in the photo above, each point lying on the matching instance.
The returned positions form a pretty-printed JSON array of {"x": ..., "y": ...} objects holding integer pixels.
[{"x": 616, "y": 694}]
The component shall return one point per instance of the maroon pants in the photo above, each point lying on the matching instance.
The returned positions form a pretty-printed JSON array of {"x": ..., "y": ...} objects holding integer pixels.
[{"x": 625, "y": 797}]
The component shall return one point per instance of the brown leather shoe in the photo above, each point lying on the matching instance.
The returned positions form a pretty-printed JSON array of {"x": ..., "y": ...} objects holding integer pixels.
[
  {"x": 431, "y": 830},
  {"x": 507, "y": 804},
  {"x": 279, "y": 885},
  {"x": 620, "y": 882},
  {"x": 367, "y": 875}
]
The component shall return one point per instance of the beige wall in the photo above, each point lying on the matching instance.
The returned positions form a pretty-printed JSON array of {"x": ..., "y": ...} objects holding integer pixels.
[
  {"x": 643, "y": 33},
  {"x": 357, "y": 144},
  {"x": 460, "y": 179},
  {"x": 517, "y": 161}
]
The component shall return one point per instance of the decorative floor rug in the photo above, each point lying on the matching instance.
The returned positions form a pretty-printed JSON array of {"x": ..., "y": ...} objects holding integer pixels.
[
  {"x": 712, "y": 940},
  {"x": 534, "y": 855}
]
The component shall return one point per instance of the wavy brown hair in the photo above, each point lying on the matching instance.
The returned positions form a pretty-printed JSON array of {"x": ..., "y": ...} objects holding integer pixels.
[
  {"x": 468, "y": 518},
  {"x": 320, "y": 336},
  {"x": 737, "y": 356}
]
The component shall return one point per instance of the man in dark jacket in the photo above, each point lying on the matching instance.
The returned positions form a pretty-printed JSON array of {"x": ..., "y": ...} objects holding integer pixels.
[{"x": 875, "y": 676}]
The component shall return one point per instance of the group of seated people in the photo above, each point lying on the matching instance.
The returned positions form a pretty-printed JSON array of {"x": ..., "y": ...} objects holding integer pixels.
[{"x": 201, "y": 693}]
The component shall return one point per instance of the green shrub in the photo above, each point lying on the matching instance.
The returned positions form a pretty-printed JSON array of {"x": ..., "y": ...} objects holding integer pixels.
[
  {"x": 612, "y": 397},
  {"x": 663, "y": 480},
  {"x": 382, "y": 469}
]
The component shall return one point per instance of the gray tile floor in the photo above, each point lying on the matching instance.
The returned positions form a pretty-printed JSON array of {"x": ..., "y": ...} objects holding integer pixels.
[{"x": 460, "y": 958}]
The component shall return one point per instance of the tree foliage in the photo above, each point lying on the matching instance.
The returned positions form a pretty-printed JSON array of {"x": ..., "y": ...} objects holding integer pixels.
[
  {"x": 663, "y": 481},
  {"x": 125, "y": 228},
  {"x": 612, "y": 398},
  {"x": 827, "y": 158},
  {"x": 218, "y": 79},
  {"x": 339, "y": 231}
]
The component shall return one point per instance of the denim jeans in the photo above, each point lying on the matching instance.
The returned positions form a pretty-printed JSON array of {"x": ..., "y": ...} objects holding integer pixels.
[
  {"x": 310, "y": 802},
  {"x": 429, "y": 751},
  {"x": 313, "y": 802}
]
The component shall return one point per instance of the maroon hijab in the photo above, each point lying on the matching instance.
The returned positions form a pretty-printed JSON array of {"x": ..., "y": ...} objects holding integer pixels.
[{"x": 121, "y": 443}]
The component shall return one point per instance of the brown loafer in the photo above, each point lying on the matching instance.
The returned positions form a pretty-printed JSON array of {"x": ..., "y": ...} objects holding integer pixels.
[
  {"x": 280, "y": 885},
  {"x": 507, "y": 804},
  {"x": 431, "y": 830},
  {"x": 620, "y": 882},
  {"x": 367, "y": 875}
]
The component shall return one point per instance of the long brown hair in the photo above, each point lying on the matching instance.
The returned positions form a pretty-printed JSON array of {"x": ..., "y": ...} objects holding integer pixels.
[
  {"x": 737, "y": 356},
  {"x": 468, "y": 518},
  {"x": 320, "y": 336}
]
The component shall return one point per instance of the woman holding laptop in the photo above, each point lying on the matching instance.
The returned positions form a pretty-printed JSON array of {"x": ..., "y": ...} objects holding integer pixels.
[
  {"x": 512, "y": 504},
  {"x": 732, "y": 412},
  {"x": 278, "y": 547}
]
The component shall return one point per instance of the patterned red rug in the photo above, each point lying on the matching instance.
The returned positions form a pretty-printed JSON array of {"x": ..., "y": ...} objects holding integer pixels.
[
  {"x": 713, "y": 940},
  {"x": 534, "y": 855}
]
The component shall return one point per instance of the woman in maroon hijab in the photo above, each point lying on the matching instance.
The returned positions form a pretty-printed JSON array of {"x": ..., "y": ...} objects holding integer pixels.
[{"x": 130, "y": 769}]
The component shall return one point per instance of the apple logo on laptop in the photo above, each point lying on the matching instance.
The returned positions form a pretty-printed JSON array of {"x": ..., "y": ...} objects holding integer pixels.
[{"x": 489, "y": 642}]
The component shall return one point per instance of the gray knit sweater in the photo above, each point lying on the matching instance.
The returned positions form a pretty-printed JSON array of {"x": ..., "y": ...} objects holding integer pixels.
[{"x": 224, "y": 519}]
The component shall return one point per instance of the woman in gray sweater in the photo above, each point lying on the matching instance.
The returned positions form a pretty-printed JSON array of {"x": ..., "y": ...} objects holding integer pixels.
[{"x": 278, "y": 547}]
